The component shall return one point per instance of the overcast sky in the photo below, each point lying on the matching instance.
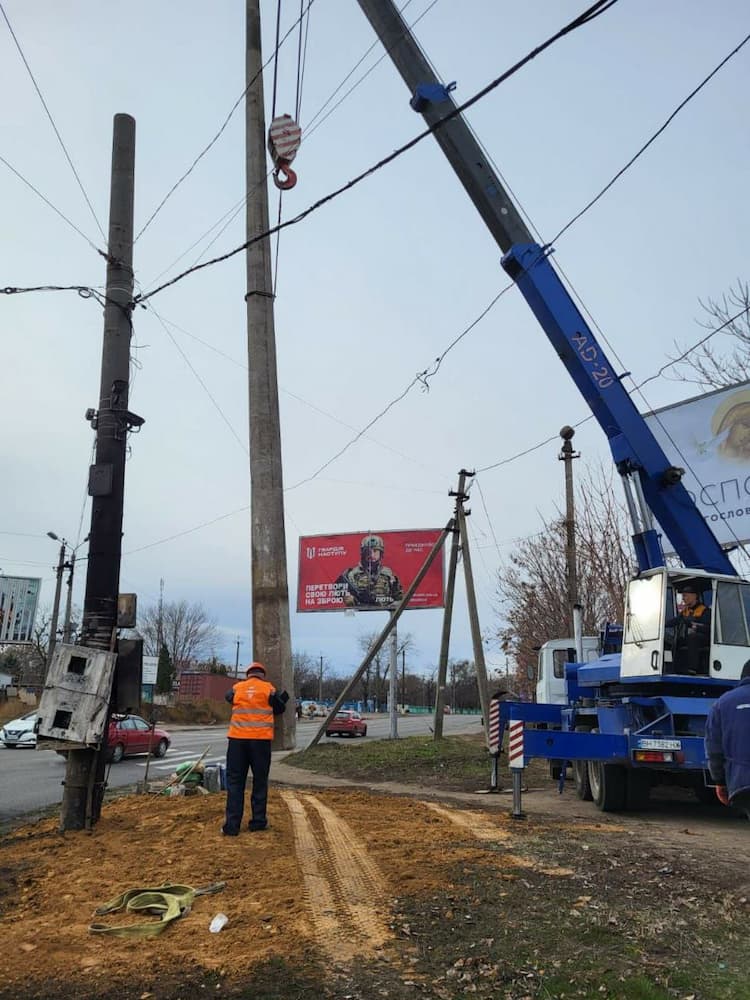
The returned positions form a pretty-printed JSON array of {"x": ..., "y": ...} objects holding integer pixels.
[{"x": 370, "y": 289}]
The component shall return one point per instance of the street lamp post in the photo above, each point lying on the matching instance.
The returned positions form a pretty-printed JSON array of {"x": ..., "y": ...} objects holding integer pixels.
[
  {"x": 58, "y": 588},
  {"x": 71, "y": 565}
]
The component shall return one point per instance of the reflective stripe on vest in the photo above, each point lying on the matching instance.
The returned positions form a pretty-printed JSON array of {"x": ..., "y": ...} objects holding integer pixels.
[{"x": 252, "y": 715}]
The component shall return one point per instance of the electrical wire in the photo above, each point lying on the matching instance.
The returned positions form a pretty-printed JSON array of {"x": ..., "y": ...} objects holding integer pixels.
[
  {"x": 52, "y": 123},
  {"x": 54, "y": 208},
  {"x": 307, "y": 132},
  {"x": 85, "y": 291},
  {"x": 652, "y": 139},
  {"x": 314, "y": 123},
  {"x": 589, "y": 14},
  {"x": 215, "y": 139},
  {"x": 188, "y": 531},
  {"x": 203, "y": 385}
]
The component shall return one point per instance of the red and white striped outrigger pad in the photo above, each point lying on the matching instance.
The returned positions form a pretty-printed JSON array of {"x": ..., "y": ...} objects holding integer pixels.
[{"x": 284, "y": 138}]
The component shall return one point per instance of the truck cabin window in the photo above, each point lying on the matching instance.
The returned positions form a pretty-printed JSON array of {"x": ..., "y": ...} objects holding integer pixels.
[
  {"x": 732, "y": 613},
  {"x": 643, "y": 615}
]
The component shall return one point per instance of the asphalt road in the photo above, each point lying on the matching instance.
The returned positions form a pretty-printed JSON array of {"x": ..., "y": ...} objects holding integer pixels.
[{"x": 31, "y": 780}]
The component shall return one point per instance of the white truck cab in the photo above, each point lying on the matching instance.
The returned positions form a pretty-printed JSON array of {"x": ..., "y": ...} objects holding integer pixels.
[{"x": 553, "y": 655}]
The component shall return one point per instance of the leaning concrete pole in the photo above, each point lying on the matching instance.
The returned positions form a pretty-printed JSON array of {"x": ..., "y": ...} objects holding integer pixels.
[{"x": 270, "y": 593}]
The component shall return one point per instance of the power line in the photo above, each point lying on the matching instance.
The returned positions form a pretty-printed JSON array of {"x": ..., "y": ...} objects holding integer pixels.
[
  {"x": 188, "y": 531},
  {"x": 52, "y": 123},
  {"x": 594, "y": 11},
  {"x": 215, "y": 139},
  {"x": 203, "y": 385},
  {"x": 85, "y": 291},
  {"x": 653, "y": 138},
  {"x": 54, "y": 208},
  {"x": 231, "y": 214}
]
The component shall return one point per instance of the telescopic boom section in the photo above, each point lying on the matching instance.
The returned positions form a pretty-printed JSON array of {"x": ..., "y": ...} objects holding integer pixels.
[{"x": 634, "y": 448}]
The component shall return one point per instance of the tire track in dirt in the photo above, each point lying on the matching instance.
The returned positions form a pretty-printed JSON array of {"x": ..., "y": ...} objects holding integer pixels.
[
  {"x": 342, "y": 884},
  {"x": 478, "y": 826}
]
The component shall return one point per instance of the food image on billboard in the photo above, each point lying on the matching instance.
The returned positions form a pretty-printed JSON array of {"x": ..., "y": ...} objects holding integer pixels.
[
  {"x": 19, "y": 596},
  {"x": 368, "y": 570}
]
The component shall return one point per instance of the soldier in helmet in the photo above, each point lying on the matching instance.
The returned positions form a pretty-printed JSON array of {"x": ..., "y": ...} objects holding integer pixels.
[{"x": 370, "y": 584}]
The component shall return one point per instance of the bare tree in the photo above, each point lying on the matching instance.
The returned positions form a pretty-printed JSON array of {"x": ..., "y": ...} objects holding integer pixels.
[
  {"x": 718, "y": 363},
  {"x": 373, "y": 682},
  {"x": 186, "y": 630},
  {"x": 532, "y": 587}
]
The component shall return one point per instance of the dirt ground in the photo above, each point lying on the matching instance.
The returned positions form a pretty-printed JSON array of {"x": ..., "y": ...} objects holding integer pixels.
[{"x": 361, "y": 892}]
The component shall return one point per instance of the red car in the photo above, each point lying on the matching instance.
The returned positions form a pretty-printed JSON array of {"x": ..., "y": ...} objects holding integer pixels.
[
  {"x": 347, "y": 723},
  {"x": 129, "y": 734}
]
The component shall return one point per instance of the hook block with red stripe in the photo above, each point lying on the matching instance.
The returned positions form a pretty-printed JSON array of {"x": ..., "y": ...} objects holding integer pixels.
[{"x": 284, "y": 139}]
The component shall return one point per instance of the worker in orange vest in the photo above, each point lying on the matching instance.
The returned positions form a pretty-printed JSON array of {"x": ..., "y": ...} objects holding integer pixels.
[{"x": 254, "y": 702}]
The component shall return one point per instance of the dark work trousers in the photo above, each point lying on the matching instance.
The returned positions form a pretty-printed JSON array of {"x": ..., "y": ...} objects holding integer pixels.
[{"x": 244, "y": 756}]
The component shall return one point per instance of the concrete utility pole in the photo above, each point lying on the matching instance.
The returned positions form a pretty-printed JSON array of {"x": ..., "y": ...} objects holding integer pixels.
[
  {"x": 476, "y": 635},
  {"x": 56, "y": 603},
  {"x": 84, "y": 784},
  {"x": 272, "y": 644},
  {"x": 450, "y": 589},
  {"x": 567, "y": 455},
  {"x": 320, "y": 679}
]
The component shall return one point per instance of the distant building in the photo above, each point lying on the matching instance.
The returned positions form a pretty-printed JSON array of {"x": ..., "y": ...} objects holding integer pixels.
[{"x": 197, "y": 685}]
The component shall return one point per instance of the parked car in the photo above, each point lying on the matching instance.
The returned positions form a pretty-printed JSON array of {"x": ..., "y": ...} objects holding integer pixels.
[
  {"x": 20, "y": 732},
  {"x": 130, "y": 734},
  {"x": 347, "y": 723}
]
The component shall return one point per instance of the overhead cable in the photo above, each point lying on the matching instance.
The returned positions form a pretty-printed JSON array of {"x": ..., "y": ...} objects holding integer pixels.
[
  {"x": 653, "y": 138},
  {"x": 589, "y": 14},
  {"x": 54, "y": 208},
  {"x": 215, "y": 139},
  {"x": 52, "y": 123}
]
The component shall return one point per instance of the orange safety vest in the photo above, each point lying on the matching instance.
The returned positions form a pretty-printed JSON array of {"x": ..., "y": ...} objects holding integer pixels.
[{"x": 252, "y": 715}]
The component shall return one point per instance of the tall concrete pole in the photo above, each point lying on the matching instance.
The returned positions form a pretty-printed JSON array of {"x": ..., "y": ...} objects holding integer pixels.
[
  {"x": 272, "y": 643},
  {"x": 84, "y": 777},
  {"x": 567, "y": 455}
]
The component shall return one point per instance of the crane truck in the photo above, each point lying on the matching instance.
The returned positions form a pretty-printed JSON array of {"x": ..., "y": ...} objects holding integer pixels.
[{"x": 633, "y": 719}]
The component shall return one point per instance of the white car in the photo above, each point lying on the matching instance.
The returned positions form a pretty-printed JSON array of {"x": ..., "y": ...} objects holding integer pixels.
[{"x": 19, "y": 732}]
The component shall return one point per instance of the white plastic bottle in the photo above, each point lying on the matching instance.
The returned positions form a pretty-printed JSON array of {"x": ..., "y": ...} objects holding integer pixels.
[{"x": 219, "y": 921}]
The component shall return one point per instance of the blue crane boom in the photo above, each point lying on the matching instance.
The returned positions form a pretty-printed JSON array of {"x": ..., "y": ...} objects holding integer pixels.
[{"x": 652, "y": 483}]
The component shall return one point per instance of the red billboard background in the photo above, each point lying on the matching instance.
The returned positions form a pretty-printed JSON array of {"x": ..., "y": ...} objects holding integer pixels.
[{"x": 330, "y": 570}]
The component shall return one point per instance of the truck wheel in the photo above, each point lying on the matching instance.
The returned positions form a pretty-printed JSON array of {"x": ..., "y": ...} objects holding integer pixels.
[
  {"x": 638, "y": 789},
  {"x": 608, "y": 786}
]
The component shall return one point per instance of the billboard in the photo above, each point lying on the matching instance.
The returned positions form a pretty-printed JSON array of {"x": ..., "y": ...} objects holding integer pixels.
[
  {"x": 19, "y": 596},
  {"x": 709, "y": 436},
  {"x": 368, "y": 570}
]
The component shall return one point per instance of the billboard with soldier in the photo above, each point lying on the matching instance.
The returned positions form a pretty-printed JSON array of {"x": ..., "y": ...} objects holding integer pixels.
[{"x": 368, "y": 571}]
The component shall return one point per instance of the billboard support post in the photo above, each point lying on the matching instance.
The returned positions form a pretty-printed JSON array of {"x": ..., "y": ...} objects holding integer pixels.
[
  {"x": 392, "y": 696},
  {"x": 395, "y": 615}
]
